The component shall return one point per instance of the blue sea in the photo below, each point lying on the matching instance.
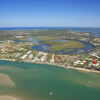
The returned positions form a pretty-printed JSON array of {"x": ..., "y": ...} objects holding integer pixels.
[
  {"x": 72, "y": 28},
  {"x": 24, "y": 28}
]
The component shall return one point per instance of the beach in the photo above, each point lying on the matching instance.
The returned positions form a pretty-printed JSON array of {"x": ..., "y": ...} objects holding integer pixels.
[
  {"x": 59, "y": 65},
  {"x": 5, "y": 80},
  {"x": 4, "y": 97}
]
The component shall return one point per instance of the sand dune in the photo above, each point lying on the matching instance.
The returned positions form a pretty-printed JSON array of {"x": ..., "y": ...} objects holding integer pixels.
[
  {"x": 5, "y": 80},
  {"x": 8, "y": 98}
]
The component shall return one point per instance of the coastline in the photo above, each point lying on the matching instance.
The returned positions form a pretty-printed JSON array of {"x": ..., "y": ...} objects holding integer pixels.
[
  {"x": 6, "y": 97},
  {"x": 79, "y": 69},
  {"x": 58, "y": 65}
]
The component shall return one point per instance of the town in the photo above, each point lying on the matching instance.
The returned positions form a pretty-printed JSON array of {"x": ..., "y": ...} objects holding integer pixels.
[{"x": 22, "y": 51}]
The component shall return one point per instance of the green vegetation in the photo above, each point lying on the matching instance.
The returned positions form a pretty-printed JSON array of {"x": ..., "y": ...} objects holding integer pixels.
[
  {"x": 35, "y": 44},
  {"x": 23, "y": 39},
  {"x": 57, "y": 46},
  {"x": 68, "y": 50},
  {"x": 46, "y": 38}
]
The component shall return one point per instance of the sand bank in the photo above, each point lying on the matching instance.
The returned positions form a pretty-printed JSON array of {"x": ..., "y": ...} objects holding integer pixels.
[
  {"x": 5, "y": 80},
  {"x": 8, "y": 98}
]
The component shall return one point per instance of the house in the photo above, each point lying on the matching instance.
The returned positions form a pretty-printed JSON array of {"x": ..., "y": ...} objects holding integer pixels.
[
  {"x": 28, "y": 52},
  {"x": 62, "y": 58},
  {"x": 53, "y": 56},
  {"x": 23, "y": 57},
  {"x": 84, "y": 61},
  {"x": 90, "y": 64},
  {"x": 52, "y": 60},
  {"x": 36, "y": 59},
  {"x": 42, "y": 53},
  {"x": 16, "y": 54},
  {"x": 88, "y": 59},
  {"x": 43, "y": 58},
  {"x": 30, "y": 56},
  {"x": 77, "y": 62},
  {"x": 81, "y": 63},
  {"x": 56, "y": 59},
  {"x": 96, "y": 64}
]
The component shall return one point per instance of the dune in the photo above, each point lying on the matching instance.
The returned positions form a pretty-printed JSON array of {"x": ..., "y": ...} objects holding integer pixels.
[
  {"x": 5, "y": 80},
  {"x": 8, "y": 98}
]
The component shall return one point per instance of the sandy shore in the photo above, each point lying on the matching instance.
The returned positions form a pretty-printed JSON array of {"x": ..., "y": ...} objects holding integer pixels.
[
  {"x": 80, "y": 69},
  {"x": 86, "y": 70},
  {"x": 59, "y": 65},
  {"x": 4, "y": 97},
  {"x": 63, "y": 66},
  {"x": 5, "y": 80}
]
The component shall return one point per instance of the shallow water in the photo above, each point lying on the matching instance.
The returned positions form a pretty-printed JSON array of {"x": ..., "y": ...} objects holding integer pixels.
[{"x": 45, "y": 82}]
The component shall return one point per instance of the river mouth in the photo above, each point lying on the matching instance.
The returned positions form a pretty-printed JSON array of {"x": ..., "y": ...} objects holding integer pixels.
[{"x": 46, "y": 82}]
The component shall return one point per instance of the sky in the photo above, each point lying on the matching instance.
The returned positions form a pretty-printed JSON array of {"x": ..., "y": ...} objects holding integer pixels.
[{"x": 49, "y": 13}]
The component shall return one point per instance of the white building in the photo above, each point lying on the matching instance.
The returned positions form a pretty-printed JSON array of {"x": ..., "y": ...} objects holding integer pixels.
[
  {"x": 31, "y": 56},
  {"x": 42, "y": 59},
  {"x": 52, "y": 60},
  {"x": 77, "y": 62},
  {"x": 36, "y": 59},
  {"x": 42, "y": 53},
  {"x": 96, "y": 64},
  {"x": 23, "y": 57},
  {"x": 28, "y": 52}
]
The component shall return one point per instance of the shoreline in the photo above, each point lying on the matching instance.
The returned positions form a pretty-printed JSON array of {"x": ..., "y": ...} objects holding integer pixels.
[
  {"x": 79, "y": 69},
  {"x": 58, "y": 65},
  {"x": 6, "y": 97}
]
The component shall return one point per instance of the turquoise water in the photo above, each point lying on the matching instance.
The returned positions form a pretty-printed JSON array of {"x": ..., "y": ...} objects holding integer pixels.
[{"x": 45, "y": 82}]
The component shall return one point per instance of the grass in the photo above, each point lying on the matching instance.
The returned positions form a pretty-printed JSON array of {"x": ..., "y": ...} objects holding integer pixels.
[
  {"x": 23, "y": 39},
  {"x": 68, "y": 50},
  {"x": 46, "y": 38},
  {"x": 57, "y": 46}
]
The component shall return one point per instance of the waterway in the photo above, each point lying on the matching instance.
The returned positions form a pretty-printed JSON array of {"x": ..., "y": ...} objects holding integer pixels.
[
  {"x": 96, "y": 32},
  {"x": 45, "y": 82},
  {"x": 87, "y": 47}
]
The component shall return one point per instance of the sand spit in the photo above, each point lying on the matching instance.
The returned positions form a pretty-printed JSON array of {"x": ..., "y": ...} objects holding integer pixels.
[
  {"x": 8, "y": 98},
  {"x": 5, "y": 80}
]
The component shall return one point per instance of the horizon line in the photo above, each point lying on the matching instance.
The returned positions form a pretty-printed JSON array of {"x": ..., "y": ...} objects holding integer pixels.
[{"x": 48, "y": 27}]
